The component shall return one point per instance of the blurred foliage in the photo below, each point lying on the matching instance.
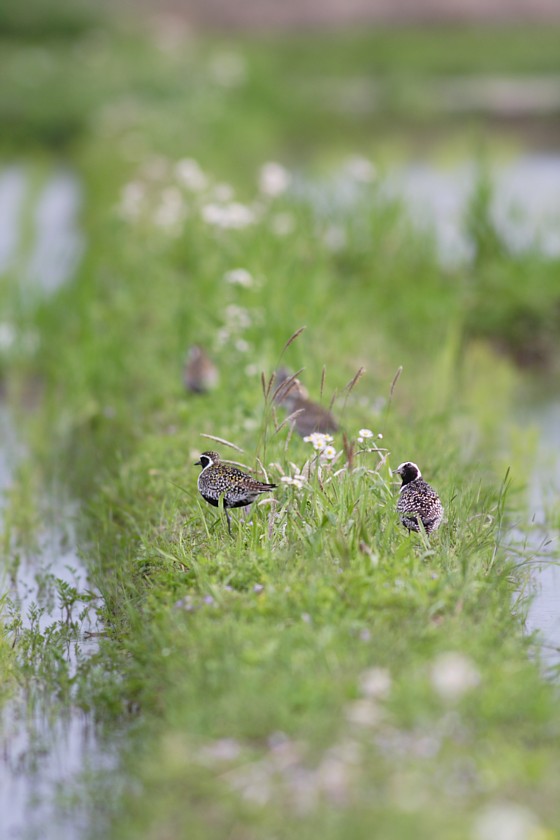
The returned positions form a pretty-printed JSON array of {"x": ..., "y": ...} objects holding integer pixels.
[{"x": 49, "y": 19}]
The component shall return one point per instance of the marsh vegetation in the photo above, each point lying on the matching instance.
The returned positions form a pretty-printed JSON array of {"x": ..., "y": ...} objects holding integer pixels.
[{"x": 321, "y": 670}]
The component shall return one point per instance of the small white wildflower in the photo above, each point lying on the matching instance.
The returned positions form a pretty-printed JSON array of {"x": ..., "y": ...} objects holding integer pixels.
[
  {"x": 224, "y": 749},
  {"x": 7, "y": 335},
  {"x": 380, "y": 436},
  {"x": 171, "y": 210},
  {"x": 506, "y": 821},
  {"x": 237, "y": 317},
  {"x": 294, "y": 481},
  {"x": 241, "y": 345},
  {"x": 222, "y": 337},
  {"x": 282, "y": 224},
  {"x": 252, "y": 369},
  {"x": 223, "y": 192},
  {"x": 228, "y": 68},
  {"x": 453, "y": 674},
  {"x": 318, "y": 440},
  {"x": 239, "y": 277},
  {"x": 365, "y": 433},
  {"x": 274, "y": 179},
  {"x": 376, "y": 683},
  {"x": 360, "y": 169},
  {"x": 131, "y": 200},
  {"x": 189, "y": 173},
  {"x": 334, "y": 238},
  {"x": 228, "y": 216},
  {"x": 155, "y": 167},
  {"x": 364, "y": 712},
  {"x": 329, "y": 453}
]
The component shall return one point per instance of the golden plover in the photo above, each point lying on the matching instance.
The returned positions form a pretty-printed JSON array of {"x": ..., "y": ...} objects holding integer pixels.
[
  {"x": 218, "y": 481},
  {"x": 418, "y": 502}
]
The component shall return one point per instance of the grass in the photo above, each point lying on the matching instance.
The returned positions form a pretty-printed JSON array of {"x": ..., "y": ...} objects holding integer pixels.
[{"x": 322, "y": 672}]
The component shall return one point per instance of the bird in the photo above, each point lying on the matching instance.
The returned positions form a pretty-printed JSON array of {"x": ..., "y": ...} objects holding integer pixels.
[
  {"x": 311, "y": 417},
  {"x": 200, "y": 373},
  {"x": 418, "y": 502},
  {"x": 218, "y": 481}
]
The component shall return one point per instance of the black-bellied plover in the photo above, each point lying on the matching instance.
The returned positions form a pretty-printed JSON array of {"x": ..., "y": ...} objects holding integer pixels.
[
  {"x": 219, "y": 482},
  {"x": 418, "y": 502}
]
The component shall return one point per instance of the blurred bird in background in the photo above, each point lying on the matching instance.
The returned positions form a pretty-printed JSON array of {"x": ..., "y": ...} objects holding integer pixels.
[
  {"x": 293, "y": 396},
  {"x": 200, "y": 373}
]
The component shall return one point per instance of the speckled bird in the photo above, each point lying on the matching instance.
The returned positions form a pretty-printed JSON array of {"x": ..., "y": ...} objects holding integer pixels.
[
  {"x": 218, "y": 481},
  {"x": 200, "y": 373},
  {"x": 311, "y": 416},
  {"x": 417, "y": 500}
]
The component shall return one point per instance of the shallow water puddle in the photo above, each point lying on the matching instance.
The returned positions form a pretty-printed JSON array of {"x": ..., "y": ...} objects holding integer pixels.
[
  {"x": 544, "y": 491},
  {"x": 50, "y": 751},
  {"x": 524, "y": 205}
]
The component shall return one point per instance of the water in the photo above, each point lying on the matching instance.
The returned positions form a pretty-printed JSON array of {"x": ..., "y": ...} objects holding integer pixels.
[
  {"x": 46, "y": 748},
  {"x": 544, "y": 491},
  {"x": 524, "y": 207},
  {"x": 525, "y": 212}
]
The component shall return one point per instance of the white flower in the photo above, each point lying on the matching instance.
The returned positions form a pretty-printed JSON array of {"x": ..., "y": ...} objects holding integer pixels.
[
  {"x": 225, "y": 749},
  {"x": 7, "y": 335},
  {"x": 453, "y": 674},
  {"x": 132, "y": 197},
  {"x": 375, "y": 683},
  {"x": 233, "y": 215},
  {"x": 334, "y": 238},
  {"x": 365, "y": 433},
  {"x": 241, "y": 345},
  {"x": 363, "y": 712},
  {"x": 155, "y": 167},
  {"x": 328, "y": 452},
  {"x": 228, "y": 68},
  {"x": 360, "y": 169},
  {"x": 223, "y": 192},
  {"x": 171, "y": 210},
  {"x": 318, "y": 440},
  {"x": 190, "y": 175},
  {"x": 506, "y": 821},
  {"x": 274, "y": 179},
  {"x": 239, "y": 277},
  {"x": 296, "y": 481},
  {"x": 282, "y": 224},
  {"x": 237, "y": 318}
]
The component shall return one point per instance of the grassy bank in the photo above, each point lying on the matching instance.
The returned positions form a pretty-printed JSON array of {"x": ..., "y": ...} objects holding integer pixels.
[{"x": 320, "y": 672}]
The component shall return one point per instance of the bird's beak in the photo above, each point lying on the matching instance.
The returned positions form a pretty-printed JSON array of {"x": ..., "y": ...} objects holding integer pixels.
[
  {"x": 395, "y": 472},
  {"x": 197, "y": 464}
]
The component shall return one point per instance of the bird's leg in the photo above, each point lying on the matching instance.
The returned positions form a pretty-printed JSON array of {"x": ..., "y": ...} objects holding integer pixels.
[{"x": 224, "y": 508}]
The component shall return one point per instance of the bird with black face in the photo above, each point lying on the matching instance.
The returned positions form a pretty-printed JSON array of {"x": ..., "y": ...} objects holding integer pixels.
[
  {"x": 419, "y": 505},
  {"x": 225, "y": 484}
]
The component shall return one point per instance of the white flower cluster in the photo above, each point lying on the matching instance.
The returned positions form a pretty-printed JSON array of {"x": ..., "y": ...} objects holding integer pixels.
[
  {"x": 296, "y": 480},
  {"x": 165, "y": 192},
  {"x": 322, "y": 444},
  {"x": 453, "y": 674},
  {"x": 190, "y": 175},
  {"x": 274, "y": 179},
  {"x": 239, "y": 277},
  {"x": 367, "y": 434},
  {"x": 232, "y": 215}
]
